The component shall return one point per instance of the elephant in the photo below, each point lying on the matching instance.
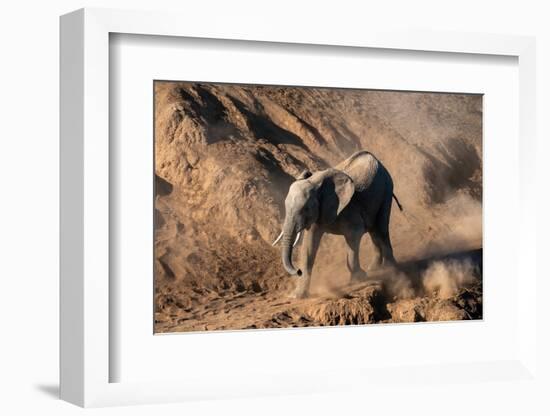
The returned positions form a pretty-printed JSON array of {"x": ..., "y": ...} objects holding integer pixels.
[{"x": 351, "y": 199}]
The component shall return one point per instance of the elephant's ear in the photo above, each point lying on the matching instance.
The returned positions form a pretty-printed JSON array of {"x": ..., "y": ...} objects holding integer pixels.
[{"x": 334, "y": 195}]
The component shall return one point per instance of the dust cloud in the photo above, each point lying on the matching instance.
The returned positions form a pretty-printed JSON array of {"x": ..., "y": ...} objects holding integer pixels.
[{"x": 446, "y": 278}]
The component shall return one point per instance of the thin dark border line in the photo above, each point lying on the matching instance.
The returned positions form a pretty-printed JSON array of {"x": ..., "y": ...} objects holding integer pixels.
[{"x": 251, "y": 84}]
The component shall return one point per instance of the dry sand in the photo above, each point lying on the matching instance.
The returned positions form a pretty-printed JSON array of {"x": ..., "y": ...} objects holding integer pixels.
[{"x": 225, "y": 156}]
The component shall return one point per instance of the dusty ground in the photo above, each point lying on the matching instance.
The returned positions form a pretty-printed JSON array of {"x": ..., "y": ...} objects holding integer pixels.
[
  {"x": 225, "y": 156},
  {"x": 378, "y": 300}
]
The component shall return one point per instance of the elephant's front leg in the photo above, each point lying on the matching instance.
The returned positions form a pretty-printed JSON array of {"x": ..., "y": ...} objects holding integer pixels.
[
  {"x": 353, "y": 239},
  {"x": 312, "y": 239}
]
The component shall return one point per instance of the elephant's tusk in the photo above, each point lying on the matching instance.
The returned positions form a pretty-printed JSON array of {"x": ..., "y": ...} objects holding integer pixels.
[
  {"x": 297, "y": 238},
  {"x": 277, "y": 239}
]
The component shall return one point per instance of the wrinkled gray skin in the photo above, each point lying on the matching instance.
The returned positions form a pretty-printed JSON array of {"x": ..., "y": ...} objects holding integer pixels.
[{"x": 350, "y": 200}]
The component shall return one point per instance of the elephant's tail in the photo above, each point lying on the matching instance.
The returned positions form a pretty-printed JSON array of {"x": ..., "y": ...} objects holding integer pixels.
[{"x": 397, "y": 201}]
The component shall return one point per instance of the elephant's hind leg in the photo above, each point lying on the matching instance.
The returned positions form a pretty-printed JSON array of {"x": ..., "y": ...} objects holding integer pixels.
[
  {"x": 376, "y": 261},
  {"x": 353, "y": 241},
  {"x": 383, "y": 249},
  {"x": 381, "y": 233}
]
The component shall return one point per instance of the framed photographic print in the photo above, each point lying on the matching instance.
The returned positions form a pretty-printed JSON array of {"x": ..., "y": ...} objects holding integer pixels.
[
  {"x": 234, "y": 164},
  {"x": 280, "y": 213}
]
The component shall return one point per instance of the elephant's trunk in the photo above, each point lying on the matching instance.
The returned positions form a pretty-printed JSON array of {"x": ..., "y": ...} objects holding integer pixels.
[{"x": 289, "y": 234}]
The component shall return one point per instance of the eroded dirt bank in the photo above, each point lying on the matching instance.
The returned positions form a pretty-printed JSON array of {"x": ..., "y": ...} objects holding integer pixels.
[{"x": 225, "y": 156}]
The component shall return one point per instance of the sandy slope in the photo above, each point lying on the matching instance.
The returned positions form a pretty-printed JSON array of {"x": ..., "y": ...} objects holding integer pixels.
[{"x": 225, "y": 156}]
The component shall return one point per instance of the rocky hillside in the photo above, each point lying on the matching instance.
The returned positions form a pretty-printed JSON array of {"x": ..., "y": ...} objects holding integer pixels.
[{"x": 225, "y": 156}]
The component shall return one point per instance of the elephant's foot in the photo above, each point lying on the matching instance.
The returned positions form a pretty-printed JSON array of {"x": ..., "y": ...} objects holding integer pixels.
[
  {"x": 301, "y": 292},
  {"x": 390, "y": 262},
  {"x": 375, "y": 264},
  {"x": 358, "y": 276}
]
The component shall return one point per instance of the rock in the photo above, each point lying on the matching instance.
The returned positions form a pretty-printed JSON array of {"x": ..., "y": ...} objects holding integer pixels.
[
  {"x": 409, "y": 310},
  {"x": 445, "y": 310},
  {"x": 357, "y": 307}
]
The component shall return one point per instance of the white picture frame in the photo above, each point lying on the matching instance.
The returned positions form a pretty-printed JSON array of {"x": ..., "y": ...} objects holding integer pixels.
[{"x": 85, "y": 216}]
